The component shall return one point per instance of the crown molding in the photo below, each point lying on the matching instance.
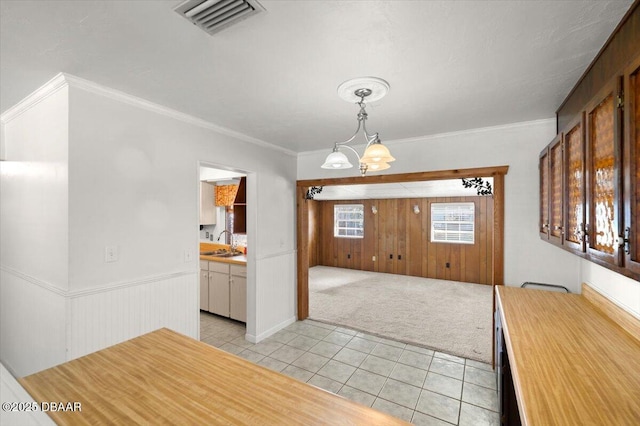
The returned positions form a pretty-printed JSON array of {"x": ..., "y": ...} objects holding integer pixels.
[
  {"x": 501, "y": 127},
  {"x": 63, "y": 80},
  {"x": 43, "y": 92}
]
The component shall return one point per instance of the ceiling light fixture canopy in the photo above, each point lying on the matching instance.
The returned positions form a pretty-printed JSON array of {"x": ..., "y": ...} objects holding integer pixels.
[{"x": 376, "y": 156}]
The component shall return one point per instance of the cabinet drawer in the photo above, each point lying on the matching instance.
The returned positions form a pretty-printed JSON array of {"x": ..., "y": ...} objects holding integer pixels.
[
  {"x": 219, "y": 267},
  {"x": 204, "y": 264},
  {"x": 239, "y": 271}
]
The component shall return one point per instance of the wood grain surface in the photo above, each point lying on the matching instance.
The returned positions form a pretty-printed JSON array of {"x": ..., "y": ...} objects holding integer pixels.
[
  {"x": 571, "y": 364},
  {"x": 621, "y": 317},
  {"x": 235, "y": 260},
  {"x": 166, "y": 378}
]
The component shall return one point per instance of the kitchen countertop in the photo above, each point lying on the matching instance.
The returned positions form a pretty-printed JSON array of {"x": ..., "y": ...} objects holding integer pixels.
[
  {"x": 235, "y": 260},
  {"x": 571, "y": 363}
]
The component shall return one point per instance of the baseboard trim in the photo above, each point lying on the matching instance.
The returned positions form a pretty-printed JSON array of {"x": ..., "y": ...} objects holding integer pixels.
[
  {"x": 617, "y": 314},
  {"x": 270, "y": 332}
]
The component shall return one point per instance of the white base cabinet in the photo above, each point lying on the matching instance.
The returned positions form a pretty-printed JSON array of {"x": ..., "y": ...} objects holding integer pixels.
[
  {"x": 238, "y": 293},
  {"x": 204, "y": 289},
  {"x": 223, "y": 289}
]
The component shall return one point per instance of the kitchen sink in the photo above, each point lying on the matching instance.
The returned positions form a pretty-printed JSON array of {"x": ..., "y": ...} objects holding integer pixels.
[
  {"x": 227, "y": 254},
  {"x": 221, "y": 253}
]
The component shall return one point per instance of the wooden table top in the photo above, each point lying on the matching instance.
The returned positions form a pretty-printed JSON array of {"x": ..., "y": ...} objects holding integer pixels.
[
  {"x": 571, "y": 364},
  {"x": 166, "y": 378}
]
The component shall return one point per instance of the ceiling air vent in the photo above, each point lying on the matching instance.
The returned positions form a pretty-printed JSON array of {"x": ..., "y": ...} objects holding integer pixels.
[{"x": 215, "y": 15}]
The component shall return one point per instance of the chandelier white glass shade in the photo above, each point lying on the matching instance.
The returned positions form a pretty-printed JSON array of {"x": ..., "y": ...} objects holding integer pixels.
[{"x": 376, "y": 156}]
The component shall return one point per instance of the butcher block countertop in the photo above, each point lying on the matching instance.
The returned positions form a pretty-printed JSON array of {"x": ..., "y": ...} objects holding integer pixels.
[
  {"x": 166, "y": 378},
  {"x": 235, "y": 260},
  {"x": 572, "y": 364}
]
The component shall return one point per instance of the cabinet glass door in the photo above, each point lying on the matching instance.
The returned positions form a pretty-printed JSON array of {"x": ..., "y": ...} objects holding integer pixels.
[
  {"x": 603, "y": 198},
  {"x": 631, "y": 233},
  {"x": 544, "y": 194},
  {"x": 574, "y": 183},
  {"x": 555, "y": 188}
]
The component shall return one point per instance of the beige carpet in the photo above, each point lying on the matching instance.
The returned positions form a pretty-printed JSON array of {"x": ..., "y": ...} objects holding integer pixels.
[{"x": 447, "y": 316}]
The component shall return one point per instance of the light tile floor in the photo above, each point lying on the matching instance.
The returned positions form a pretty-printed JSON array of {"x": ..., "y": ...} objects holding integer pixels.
[{"x": 409, "y": 382}]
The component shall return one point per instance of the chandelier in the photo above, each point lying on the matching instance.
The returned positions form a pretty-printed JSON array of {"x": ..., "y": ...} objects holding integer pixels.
[{"x": 376, "y": 156}]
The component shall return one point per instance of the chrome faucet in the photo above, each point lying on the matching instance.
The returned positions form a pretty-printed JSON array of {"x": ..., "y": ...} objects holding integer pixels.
[{"x": 231, "y": 238}]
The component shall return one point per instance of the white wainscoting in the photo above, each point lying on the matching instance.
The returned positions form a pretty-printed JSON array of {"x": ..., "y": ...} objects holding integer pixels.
[
  {"x": 32, "y": 323},
  {"x": 42, "y": 326},
  {"x": 275, "y": 294},
  {"x": 102, "y": 318}
]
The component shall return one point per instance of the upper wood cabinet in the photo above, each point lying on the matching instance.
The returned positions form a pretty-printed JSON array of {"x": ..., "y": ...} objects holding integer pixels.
[
  {"x": 551, "y": 191},
  {"x": 590, "y": 179},
  {"x": 240, "y": 208},
  {"x": 600, "y": 138}
]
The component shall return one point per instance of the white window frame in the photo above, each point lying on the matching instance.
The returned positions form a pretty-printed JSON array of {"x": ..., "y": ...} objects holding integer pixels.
[
  {"x": 345, "y": 226},
  {"x": 452, "y": 220}
]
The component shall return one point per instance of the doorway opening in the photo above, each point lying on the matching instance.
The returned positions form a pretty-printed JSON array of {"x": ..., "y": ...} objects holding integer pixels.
[
  {"x": 222, "y": 247},
  {"x": 307, "y": 220}
]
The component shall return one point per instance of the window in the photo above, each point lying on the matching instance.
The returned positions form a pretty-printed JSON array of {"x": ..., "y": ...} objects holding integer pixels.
[
  {"x": 452, "y": 223},
  {"x": 348, "y": 220}
]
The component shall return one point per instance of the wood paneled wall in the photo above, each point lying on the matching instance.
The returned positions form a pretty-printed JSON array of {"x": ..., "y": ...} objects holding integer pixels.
[
  {"x": 313, "y": 232},
  {"x": 399, "y": 240}
]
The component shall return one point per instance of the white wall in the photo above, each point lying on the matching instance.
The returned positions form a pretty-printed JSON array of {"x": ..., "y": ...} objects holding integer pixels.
[
  {"x": 135, "y": 172},
  {"x": 621, "y": 290},
  {"x": 526, "y": 257},
  {"x": 132, "y": 183},
  {"x": 34, "y": 230},
  {"x": 34, "y": 189}
]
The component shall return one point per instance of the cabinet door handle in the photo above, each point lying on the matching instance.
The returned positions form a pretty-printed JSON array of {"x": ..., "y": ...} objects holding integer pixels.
[{"x": 623, "y": 240}]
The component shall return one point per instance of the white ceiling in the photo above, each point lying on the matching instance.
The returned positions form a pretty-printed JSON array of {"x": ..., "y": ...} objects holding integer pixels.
[{"x": 452, "y": 65}]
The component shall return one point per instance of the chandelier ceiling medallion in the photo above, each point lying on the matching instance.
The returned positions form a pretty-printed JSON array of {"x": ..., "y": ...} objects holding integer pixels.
[{"x": 376, "y": 156}]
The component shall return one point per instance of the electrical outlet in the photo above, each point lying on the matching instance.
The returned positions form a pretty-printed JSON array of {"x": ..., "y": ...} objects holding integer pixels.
[
  {"x": 373, "y": 258},
  {"x": 111, "y": 254},
  {"x": 447, "y": 265}
]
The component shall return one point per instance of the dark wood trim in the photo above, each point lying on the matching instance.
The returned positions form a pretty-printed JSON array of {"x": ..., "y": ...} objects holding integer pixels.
[
  {"x": 498, "y": 230},
  {"x": 408, "y": 177},
  {"x": 303, "y": 252},
  {"x": 302, "y": 226}
]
